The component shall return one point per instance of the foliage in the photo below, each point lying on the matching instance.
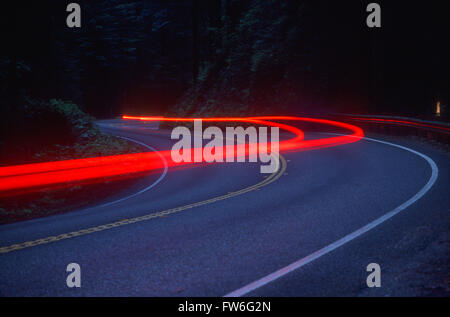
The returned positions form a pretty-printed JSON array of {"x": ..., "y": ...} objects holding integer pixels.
[
  {"x": 58, "y": 130},
  {"x": 258, "y": 61},
  {"x": 224, "y": 56}
]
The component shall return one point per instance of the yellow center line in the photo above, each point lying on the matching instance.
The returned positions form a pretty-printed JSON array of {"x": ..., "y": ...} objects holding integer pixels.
[{"x": 273, "y": 177}]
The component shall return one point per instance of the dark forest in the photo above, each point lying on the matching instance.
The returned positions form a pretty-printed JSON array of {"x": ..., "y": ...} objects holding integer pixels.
[{"x": 223, "y": 57}]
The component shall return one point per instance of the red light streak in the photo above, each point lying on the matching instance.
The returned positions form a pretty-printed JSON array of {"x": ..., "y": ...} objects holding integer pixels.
[{"x": 26, "y": 178}]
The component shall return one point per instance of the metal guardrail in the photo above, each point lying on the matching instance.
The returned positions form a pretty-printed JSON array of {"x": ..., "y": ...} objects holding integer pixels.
[{"x": 393, "y": 125}]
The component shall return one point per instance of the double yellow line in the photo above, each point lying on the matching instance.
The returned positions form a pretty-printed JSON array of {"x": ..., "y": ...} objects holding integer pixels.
[{"x": 273, "y": 177}]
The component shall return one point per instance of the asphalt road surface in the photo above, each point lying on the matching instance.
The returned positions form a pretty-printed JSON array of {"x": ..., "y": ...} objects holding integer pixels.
[{"x": 309, "y": 229}]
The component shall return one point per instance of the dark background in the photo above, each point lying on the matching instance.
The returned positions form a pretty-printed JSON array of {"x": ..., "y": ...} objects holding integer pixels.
[{"x": 194, "y": 57}]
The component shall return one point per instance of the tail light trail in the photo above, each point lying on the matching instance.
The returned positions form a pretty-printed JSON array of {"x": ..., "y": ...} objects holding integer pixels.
[{"x": 20, "y": 179}]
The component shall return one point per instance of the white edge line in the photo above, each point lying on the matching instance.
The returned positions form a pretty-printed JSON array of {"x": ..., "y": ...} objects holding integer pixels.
[
  {"x": 148, "y": 187},
  {"x": 159, "y": 179},
  {"x": 355, "y": 234}
]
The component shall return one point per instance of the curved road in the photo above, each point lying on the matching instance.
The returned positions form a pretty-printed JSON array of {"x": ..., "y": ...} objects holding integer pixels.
[{"x": 247, "y": 228}]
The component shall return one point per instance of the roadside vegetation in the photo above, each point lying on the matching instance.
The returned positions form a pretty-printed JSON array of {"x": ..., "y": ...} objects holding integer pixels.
[
  {"x": 57, "y": 130},
  {"x": 51, "y": 131}
]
